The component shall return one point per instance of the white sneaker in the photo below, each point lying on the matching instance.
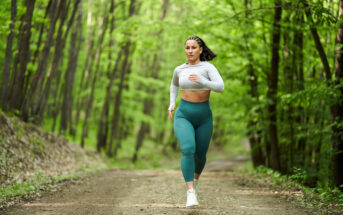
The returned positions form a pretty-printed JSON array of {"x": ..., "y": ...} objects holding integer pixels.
[
  {"x": 196, "y": 187},
  {"x": 191, "y": 198}
]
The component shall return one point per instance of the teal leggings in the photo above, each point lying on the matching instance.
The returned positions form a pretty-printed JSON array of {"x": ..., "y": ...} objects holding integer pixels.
[{"x": 193, "y": 129}]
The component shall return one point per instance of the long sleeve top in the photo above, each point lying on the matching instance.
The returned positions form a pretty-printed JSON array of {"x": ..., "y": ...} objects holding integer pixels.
[{"x": 209, "y": 79}]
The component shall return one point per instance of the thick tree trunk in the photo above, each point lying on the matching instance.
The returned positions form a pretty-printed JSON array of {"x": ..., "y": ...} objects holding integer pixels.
[
  {"x": 8, "y": 57},
  {"x": 337, "y": 110},
  {"x": 18, "y": 78},
  {"x": 273, "y": 88}
]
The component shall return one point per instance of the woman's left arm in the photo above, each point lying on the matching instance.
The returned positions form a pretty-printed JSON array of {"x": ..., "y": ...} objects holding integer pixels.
[{"x": 215, "y": 83}]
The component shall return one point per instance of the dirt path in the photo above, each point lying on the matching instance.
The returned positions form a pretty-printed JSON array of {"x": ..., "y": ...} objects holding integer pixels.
[{"x": 159, "y": 192}]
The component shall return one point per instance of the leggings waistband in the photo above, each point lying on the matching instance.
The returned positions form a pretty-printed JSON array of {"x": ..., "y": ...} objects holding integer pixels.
[{"x": 193, "y": 103}]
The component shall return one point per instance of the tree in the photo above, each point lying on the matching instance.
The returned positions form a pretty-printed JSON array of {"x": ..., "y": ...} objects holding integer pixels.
[
  {"x": 337, "y": 109},
  {"x": 273, "y": 88},
  {"x": 8, "y": 58},
  {"x": 22, "y": 58}
]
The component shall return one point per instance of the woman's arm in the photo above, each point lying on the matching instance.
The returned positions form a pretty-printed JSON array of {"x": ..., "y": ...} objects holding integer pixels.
[
  {"x": 174, "y": 88},
  {"x": 215, "y": 83}
]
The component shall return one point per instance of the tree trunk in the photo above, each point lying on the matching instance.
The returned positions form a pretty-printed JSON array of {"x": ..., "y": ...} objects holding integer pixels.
[
  {"x": 298, "y": 147},
  {"x": 17, "y": 96},
  {"x": 91, "y": 98},
  {"x": 39, "y": 77},
  {"x": 148, "y": 102},
  {"x": 125, "y": 65},
  {"x": 318, "y": 43},
  {"x": 273, "y": 88},
  {"x": 253, "y": 131},
  {"x": 8, "y": 57},
  {"x": 125, "y": 70},
  {"x": 68, "y": 98},
  {"x": 51, "y": 6},
  {"x": 40, "y": 104},
  {"x": 81, "y": 101},
  {"x": 286, "y": 153},
  {"x": 337, "y": 110},
  {"x": 103, "y": 127}
]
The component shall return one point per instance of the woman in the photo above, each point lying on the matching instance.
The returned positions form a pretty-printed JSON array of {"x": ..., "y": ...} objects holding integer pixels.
[{"x": 193, "y": 118}]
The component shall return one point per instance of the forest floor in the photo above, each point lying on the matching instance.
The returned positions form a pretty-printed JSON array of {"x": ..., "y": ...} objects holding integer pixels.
[{"x": 222, "y": 191}]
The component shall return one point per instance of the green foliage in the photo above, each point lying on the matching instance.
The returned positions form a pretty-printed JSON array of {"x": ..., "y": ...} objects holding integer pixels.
[
  {"x": 321, "y": 198},
  {"x": 18, "y": 128},
  {"x": 39, "y": 183},
  {"x": 36, "y": 144},
  {"x": 240, "y": 34},
  {"x": 299, "y": 175}
]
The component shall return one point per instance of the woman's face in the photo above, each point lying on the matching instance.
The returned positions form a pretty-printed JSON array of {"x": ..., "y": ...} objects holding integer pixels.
[{"x": 193, "y": 50}]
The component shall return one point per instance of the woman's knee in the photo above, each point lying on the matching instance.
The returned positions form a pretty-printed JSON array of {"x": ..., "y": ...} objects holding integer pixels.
[{"x": 188, "y": 150}]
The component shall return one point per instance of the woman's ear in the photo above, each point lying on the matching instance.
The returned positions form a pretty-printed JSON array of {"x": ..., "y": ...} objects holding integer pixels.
[{"x": 200, "y": 50}]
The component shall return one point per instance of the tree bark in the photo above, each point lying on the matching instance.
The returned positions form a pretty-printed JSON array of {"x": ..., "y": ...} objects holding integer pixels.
[
  {"x": 318, "y": 44},
  {"x": 273, "y": 88},
  {"x": 298, "y": 149},
  {"x": 39, "y": 77},
  {"x": 68, "y": 98},
  {"x": 337, "y": 110},
  {"x": 125, "y": 65},
  {"x": 17, "y": 96},
  {"x": 39, "y": 106},
  {"x": 103, "y": 127},
  {"x": 253, "y": 132},
  {"x": 50, "y": 7},
  {"x": 8, "y": 57}
]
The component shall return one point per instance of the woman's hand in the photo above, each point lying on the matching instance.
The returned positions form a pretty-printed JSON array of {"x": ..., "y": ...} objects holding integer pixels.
[
  {"x": 193, "y": 77},
  {"x": 170, "y": 112}
]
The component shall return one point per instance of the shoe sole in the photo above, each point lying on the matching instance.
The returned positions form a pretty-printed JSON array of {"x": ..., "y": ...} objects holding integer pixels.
[{"x": 188, "y": 206}]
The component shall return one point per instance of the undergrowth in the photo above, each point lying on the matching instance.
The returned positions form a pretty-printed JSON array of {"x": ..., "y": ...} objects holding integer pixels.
[
  {"x": 324, "y": 199},
  {"x": 32, "y": 187}
]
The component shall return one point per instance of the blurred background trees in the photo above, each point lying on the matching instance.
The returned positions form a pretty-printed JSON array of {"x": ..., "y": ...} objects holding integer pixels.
[{"x": 99, "y": 72}]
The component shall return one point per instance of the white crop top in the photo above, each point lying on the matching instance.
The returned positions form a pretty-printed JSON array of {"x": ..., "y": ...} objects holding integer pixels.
[{"x": 209, "y": 79}]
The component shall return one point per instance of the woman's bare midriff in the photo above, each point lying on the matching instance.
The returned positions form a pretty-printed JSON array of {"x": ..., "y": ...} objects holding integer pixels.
[{"x": 195, "y": 95}]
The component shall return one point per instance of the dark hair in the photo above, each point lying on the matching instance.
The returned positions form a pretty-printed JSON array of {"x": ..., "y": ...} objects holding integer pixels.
[{"x": 207, "y": 54}]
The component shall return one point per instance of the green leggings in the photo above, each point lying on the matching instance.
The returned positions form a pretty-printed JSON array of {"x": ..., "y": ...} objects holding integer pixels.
[{"x": 193, "y": 129}]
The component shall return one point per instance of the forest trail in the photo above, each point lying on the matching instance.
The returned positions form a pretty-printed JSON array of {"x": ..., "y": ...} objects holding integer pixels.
[{"x": 160, "y": 192}]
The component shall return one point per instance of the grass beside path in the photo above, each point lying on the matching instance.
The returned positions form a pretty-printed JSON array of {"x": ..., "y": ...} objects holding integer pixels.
[{"x": 323, "y": 200}]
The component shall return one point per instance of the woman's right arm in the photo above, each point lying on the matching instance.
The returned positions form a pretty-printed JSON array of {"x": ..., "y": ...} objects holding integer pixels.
[{"x": 174, "y": 88}]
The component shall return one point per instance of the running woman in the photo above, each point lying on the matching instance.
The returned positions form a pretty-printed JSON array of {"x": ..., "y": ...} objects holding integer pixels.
[{"x": 193, "y": 118}]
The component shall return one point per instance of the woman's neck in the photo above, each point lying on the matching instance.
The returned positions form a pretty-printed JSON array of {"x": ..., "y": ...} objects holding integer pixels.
[{"x": 194, "y": 62}]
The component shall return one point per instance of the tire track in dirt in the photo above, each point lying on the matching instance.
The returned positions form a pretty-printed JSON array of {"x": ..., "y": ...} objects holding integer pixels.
[{"x": 159, "y": 192}]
